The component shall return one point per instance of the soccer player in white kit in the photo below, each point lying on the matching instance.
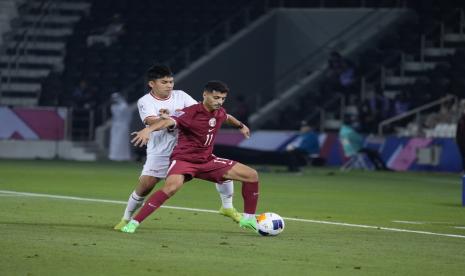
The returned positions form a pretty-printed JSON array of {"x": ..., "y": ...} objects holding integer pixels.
[{"x": 163, "y": 100}]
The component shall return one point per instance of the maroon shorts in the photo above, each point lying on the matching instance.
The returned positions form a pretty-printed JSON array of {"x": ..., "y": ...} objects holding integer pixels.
[{"x": 212, "y": 170}]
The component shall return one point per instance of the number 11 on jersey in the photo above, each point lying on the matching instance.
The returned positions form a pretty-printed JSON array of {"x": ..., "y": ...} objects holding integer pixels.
[{"x": 209, "y": 139}]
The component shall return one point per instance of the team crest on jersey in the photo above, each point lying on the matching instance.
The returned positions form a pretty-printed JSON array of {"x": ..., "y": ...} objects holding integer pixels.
[
  {"x": 178, "y": 113},
  {"x": 212, "y": 122}
]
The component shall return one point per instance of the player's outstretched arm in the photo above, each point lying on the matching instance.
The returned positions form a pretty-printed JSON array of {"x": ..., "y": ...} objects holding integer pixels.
[
  {"x": 239, "y": 125},
  {"x": 163, "y": 114},
  {"x": 142, "y": 136}
]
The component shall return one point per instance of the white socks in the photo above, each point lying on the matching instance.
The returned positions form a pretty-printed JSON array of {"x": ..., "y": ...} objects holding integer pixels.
[
  {"x": 226, "y": 190},
  {"x": 134, "y": 202}
]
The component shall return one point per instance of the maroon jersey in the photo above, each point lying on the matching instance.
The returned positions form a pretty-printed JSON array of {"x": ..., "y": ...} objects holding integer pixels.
[{"x": 197, "y": 132}]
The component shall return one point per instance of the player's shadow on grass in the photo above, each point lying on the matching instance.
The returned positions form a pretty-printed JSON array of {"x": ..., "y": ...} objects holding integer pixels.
[
  {"x": 145, "y": 229},
  {"x": 171, "y": 230},
  {"x": 59, "y": 225}
]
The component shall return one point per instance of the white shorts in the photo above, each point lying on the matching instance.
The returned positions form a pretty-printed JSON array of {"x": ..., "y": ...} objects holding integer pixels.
[{"x": 156, "y": 166}]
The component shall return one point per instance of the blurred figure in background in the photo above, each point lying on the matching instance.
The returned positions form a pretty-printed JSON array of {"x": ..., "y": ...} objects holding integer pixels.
[
  {"x": 401, "y": 104},
  {"x": 335, "y": 65},
  {"x": 352, "y": 143},
  {"x": 84, "y": 96},
  {"x": 79, "y": 94},
  {"x": 119, "y": 134},
  {"x": 375, "y": 108},
  {"x": 304, "y": 148},
  {"x": 444, "y": 116},
  {"x": 339, "y": 75}
]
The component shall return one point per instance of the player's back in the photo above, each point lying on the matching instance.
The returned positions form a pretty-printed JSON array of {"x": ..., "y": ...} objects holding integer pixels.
[
  {"x": 197, "y": 133},
  {"x": 162, "y": 142}
]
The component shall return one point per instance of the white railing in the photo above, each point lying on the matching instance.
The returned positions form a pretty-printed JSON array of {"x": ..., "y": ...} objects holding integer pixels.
[{"x": 415, "y": 112}]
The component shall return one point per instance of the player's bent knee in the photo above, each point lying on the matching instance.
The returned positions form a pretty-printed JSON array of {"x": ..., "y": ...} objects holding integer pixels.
[
  {"x": 171, "y": 188},
  {"x": 169, "y": 191},
  {"x": 253, "y": 175}
]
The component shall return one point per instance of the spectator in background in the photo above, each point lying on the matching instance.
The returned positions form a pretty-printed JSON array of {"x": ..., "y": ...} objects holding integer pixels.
[
  {"x": 330, "y": 84},
  {"x": 91, "y": 99},
  {"x": 401, "y": 104},
  {"x": 352, "y": 143},
  {"x": 347, "y": 74},
  {"x": 374, "y": 109},
  {"x": 381, "y": 104},
  {"x": 84, "y": 96},
  {"x": 335, "y": 66},
  {"x": 367, "y": 116},
  {"x": 108, "y": 34},
  {"x": 444, "y": 116},
  {"x": 340, "y": 75},
  {"x": 305, "y": 147},
  {"x": 119, "y": 134},
  {"x": 79, "y": 94}
]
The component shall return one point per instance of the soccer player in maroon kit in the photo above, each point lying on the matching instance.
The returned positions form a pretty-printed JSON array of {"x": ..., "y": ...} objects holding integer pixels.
[{"x": 193, "y": 155}]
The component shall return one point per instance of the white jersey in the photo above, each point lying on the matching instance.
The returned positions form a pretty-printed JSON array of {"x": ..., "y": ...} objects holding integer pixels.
[{"x": 162, "y": 142}]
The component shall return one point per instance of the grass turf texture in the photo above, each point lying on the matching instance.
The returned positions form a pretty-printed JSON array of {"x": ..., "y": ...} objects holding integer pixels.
[{"x": 44, "y": 236}]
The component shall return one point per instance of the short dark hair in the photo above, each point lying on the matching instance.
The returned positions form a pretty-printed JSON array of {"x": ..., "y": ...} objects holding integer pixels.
[
  {"x": 216, "y": 86},
  {"x": 158, "y": 71}
]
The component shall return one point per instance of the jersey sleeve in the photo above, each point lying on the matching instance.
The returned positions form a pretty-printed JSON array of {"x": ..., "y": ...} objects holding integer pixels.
[
  {"x": 188, "y": 100},
  {"x": 145, "y": 109},
  {"x": 183, "y": 118}
]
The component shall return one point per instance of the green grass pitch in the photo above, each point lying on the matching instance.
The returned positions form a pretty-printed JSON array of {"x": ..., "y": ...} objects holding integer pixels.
[{"x": 43, "y": 235}]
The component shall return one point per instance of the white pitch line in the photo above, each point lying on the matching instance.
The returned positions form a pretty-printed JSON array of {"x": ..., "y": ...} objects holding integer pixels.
[
  {"x": 13, "y": 193},
  {"x": 214, "y": 211},
  {"x": 408, "y": 222}
]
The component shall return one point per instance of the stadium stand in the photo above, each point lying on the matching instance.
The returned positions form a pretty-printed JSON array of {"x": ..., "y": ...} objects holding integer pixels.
[
  {"x": 8, "y": 11},
  {"x": 411, "y": 65},
  {"x": 35, "y": 47},
  {"x": 417, "y": 62},
  {"x": 48, "y": 55},
  {"x": 152, "y": 32}
]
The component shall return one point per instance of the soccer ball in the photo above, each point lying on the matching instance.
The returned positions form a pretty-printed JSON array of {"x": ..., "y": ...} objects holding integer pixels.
[{"x": 270, "y": 224}]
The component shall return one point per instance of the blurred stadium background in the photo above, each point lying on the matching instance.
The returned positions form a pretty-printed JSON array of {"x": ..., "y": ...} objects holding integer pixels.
[{"x": 394, "y": 67}]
